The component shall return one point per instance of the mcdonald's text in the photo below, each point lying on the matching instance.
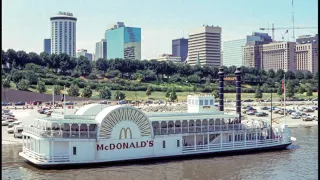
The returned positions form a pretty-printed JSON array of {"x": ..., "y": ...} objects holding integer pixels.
[{"x": 124, "y": 145}]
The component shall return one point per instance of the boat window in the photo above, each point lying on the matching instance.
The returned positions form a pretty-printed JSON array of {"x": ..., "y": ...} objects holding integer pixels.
[
  {"x": 189, "y": 101},
  {"x": 235, "y": 138},
  {"x": 201, "y": 102},
  {"x": 205, "y": 102},
  {"x": 193, "y": 101},
  {"x": 229, "y": 138},
  {"x": 211, "y": 101},
  {"x": 74, "y": 150},
  {"x": 163, "y": 144},
  {"x": 178, "y": 143},
  {"x": 197, "y": 102}
]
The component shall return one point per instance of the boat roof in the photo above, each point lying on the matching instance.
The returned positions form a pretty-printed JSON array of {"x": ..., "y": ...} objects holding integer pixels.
[{"x": 185, "y": 116}]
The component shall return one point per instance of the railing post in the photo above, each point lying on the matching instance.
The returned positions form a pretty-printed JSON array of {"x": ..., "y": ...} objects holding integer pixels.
[{"x": 70, "y": 130}]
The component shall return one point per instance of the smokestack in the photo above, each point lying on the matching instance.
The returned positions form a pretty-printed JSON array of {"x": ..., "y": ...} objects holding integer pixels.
[
  {"x": 238, "y": 91},
  {"x": 221, "y": 86}
]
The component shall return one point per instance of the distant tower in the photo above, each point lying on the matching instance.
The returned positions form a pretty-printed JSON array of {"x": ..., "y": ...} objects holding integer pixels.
[{"x": 63, "y": 34}]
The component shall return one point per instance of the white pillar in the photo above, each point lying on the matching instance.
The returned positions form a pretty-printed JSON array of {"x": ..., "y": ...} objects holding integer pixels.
[
  {"x": 88, "y": 129},
  {"x": 70, "y": 130},
  {"x": 233, "y": 139},
  {"x": 181, "y": 126},
  {"x": 256, "y": 136},
  {"x": 208, "y": 126},
  {"x": 79, "y": 129},
  {"x": 167, "y": 127},
  {"x": 208, "y": 140},
  {"x": 160, "y": 127},
  {"x": 51, "y": 130},
  {"x": 201, "y": 125},
  {"x": 174, "y": 127},
  {"x": 214, "y": 124},
  {"x": 221, "y": 140},
  {"x": 233, "y": 123},
  {"x": 60, "y": 129},
  {"x": 202, "y": 140},
  {"x": 245, "y": 137},
  {"x": 188, "y": 125},
  {"x": 195, "y": 142}
]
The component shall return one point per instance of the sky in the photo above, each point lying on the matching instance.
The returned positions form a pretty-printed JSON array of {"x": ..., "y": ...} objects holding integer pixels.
[{"x": 26, "y": 23}]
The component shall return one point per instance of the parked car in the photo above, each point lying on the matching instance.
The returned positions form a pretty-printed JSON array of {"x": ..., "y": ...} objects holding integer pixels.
[
  {"x": 36, "y": 103},
  {"x": 122, "y": 102},
  {"x": 248, "y": 100},
  {"x": 264, "y": 108},
  {"x": 104, "y": 102},
  {"x": 4, "y": 103},
  {"x": 308, "y": 110},
  {"x": 70, "y": 103},
  {"x": 295, "y": 116},
  {"x": 20, "y": 103},
  {"x": 308, "y": 118},
  {"x": 148, "y": 102},
  {"x": 261, "y": 114},
  {"x": 42, "y": 111},
  {"x": 250, "y": 112},
  {"x": 18, "y": 131},
  {"x": 315, "y": 108}
]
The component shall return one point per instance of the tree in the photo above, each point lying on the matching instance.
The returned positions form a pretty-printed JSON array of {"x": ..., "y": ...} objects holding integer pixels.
[
  {"x": 101, "y": 64},
  {"x": 280, "y": 74},
  {"x": 258, "y": 92},
  {"x": 299, "y": 75},
  {"x": 301, "y": 90},
  {"x": 31, "y": 76},
  {"x": 308, "y": 75},
  {"x": 41, "y": 87},
  {"x": 290, "y": 75},
  {"x": 271, "y": 74},
  {"x": 6, "y": 82},
  {"x": 34, "y": 67},
  {"x": 57, "y": 89},
  {"x": 16, "y": 76},
  {"x": 149, "y": 89},
  {"x": 168, "y": 92},
  {"x": 316, "y": 76},
  {"x": 87, "y": 92},
  {"x": 84, "y": 65},
  {"x": 309, "y": 91},
  {"x": 173, "y": 95},
  {"x": 215, "y": 93},
  {"x": 73, "y": 90},
  {"x": 119, "y": 95},
  {"x": 22, "y": 58},
  {"x": 12, "y": 56},
  {"x": 289, "y": 89},
  {"x": 105, "y": 93},
  {"x": 23, "y": 85},
  {"x": 279, "y": 90}
]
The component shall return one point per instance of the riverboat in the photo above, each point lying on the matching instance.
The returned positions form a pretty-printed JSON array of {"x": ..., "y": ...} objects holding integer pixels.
[{"x": 99, "y": 133}]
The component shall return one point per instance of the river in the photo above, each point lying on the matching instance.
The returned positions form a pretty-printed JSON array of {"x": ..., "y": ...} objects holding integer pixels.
[{"x": 299, "y": 161}]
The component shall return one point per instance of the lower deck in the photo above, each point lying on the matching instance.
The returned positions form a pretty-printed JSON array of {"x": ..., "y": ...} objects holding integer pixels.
[{"x": 75, "y": 151}]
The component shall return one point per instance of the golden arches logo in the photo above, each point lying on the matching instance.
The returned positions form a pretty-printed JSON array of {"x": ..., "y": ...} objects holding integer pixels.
[{"x": 125, "y": 132}]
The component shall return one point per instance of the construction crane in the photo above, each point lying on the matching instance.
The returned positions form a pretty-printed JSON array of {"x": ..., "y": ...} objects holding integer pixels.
[{"x": 286, "y": 28}]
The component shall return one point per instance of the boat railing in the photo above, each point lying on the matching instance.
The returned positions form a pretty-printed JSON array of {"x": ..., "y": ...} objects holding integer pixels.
[
  {"x": 46, "y": 158},
  {"x": 60, "y": 133},
  {"x": 201, "y": 129},
  {"x": 233, "y": 145}
]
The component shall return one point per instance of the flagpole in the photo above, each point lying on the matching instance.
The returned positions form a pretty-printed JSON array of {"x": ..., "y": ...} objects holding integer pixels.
[{"x": 284, "y": 101}]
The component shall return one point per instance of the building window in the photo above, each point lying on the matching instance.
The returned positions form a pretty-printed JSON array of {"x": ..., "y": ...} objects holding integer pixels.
[
  {"x": 163, "y": 144},
  {"x": 74, "y": 150},
  {"x": 178, "y": 143},
  {"x": 205, "y": 102}
]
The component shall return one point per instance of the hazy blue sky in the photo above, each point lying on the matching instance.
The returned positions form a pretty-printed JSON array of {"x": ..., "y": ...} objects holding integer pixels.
[{"x": 25, "y": 23}]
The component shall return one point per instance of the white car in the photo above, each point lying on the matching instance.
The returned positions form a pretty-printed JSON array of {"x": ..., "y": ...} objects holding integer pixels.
[
  {"x": 295, "y": 116},
  {"x": 18, "y": 131},
  {"x": 5, "y": 123},
  {"x": 10, "y": 130}
]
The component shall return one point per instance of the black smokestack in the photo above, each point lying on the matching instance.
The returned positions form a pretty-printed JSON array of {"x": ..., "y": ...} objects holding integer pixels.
[
  {"x": 238, "y": 91},
  {"x": 221, "y": 86}
]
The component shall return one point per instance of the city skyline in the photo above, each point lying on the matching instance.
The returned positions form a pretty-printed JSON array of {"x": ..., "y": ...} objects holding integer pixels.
[{"x": 25, "y": 28}]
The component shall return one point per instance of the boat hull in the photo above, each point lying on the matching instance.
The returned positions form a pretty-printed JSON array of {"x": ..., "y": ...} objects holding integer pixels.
[{"x": 152, "y": 159}]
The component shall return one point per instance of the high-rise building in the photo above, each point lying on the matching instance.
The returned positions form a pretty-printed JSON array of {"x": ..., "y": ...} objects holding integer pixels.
[
  {"x": 63, "y": 34},
  {"x": 47, "y": 46},
  {"x": 123, "y": 42},
  {"x": 233, "y": 52},
  {"x": 168, "y": 58},
  {"x": 305, "y": 39},
  {"x": 84, "y": 52},
  {"x": 278, "y": 55},
  {"x": 251, "y": 51},
  {"x": 101, "y": 49},
  {"x": 307, "y": 57},
  {"x": 180, "y": 48},
  {"x": 205, "y": 41}
]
